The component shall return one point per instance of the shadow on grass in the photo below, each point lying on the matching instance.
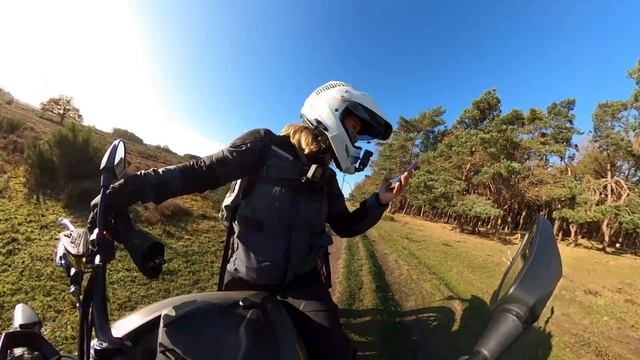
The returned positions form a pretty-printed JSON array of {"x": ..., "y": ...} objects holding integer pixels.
[
  {"x": 598, "y": 247},
  {"x": 510, "y": 238},
  {"x": 505, "y": 238},
  {"x": 432, "y": 333}
]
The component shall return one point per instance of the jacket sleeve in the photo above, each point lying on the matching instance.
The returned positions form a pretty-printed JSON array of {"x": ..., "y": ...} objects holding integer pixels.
[
  {"x": 231, "y": 163},
  {"x": 348, "y": 224}
]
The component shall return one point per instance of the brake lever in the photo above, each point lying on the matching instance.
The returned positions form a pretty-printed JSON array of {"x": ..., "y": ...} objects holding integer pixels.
[{"x": 66, "y": 223}]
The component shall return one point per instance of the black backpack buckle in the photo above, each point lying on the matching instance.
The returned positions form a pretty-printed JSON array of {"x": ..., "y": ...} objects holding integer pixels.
[{"x": 314, "y": 174}]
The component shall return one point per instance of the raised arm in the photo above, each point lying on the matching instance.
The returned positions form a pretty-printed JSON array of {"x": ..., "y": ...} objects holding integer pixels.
[
  {"x": 237, "y": 160},
  {"x": 347, "y": 223}
]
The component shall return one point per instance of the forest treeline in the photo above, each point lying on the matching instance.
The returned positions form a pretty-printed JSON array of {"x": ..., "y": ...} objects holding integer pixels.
[{"x": 493, "y": 169}]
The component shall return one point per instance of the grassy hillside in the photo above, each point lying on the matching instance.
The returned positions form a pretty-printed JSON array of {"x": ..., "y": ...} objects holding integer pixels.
[
  {"x": 441, "y": 281},
  {"x": 188, "y": 226}
]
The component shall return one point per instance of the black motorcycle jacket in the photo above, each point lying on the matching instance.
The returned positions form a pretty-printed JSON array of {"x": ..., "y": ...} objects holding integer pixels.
[{"x": 278, "y": 230}]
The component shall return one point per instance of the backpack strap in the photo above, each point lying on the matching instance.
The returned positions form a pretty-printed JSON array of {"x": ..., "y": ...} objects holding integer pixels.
[{"x": 243, "y": 187}]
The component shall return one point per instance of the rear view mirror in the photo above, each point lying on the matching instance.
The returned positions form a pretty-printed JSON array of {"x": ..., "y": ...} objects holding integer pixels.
[
  {"x": 534, "y": 271},
  {"x": 113, "y": 162},
  {"x": 523, "y": 291},
  {"x": 120, "y": 159},
  {"x": 24, "y": 317}
]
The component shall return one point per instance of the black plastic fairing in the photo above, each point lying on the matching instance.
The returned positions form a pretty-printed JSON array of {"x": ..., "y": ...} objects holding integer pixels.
[
  {"x": 527, "y": 291},
  {"x": 221, "y": 325}
]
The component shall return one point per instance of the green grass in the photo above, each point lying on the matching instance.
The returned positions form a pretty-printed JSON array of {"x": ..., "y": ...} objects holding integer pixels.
[
  {"x": 28, "y": 237},
  {"x": 595, "y": 308},
  {"x": 405, "y": 277},
  {"x": 370, "y": 312}
]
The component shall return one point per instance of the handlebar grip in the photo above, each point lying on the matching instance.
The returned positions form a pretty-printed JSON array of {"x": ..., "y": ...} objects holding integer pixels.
[{"x": 145, "y": 250}]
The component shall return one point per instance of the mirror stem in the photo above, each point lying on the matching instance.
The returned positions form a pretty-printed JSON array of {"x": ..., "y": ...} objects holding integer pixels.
[{"x": 501, "y": 331}]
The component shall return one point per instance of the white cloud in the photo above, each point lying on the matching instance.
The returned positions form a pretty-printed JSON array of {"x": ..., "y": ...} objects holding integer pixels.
[{"x": 91, "y": 51}]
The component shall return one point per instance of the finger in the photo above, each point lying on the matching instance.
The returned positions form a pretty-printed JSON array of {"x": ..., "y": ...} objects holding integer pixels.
[{"x": 405, "y": 179}]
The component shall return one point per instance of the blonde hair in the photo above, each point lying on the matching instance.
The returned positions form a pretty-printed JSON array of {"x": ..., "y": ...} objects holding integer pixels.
[{"x": 303, "y": 138}]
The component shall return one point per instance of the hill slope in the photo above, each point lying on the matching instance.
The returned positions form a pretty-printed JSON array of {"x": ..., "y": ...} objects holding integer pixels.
[{"x": 189, "y": 228}]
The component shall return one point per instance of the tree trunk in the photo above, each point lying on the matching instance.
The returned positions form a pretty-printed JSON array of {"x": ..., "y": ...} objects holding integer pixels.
[
  {"x": 406, "y": 206},
  {"x": 474, "y": 225},
  {"x": 522, "y": 217},
  {"x": 557, "y": 230},
  {"x": 573, "y": 228},
  {"x": 605, "y": 223},
  {"x": 605, "y": 232},
  {"x": 422, "y": 212},
  {"x": 460, "y": 224}
]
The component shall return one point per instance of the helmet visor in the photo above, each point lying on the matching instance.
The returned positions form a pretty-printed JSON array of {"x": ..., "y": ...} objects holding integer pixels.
[{"x": 373, "y": 125}]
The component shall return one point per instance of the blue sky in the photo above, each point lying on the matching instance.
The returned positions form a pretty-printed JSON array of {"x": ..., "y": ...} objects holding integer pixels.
[
  {"x": 210, "y": 70},
  {"x": 233, "y": 66}
]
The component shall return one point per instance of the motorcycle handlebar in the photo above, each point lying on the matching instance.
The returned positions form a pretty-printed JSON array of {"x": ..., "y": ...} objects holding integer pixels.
[{"x": 145, "y": 250}]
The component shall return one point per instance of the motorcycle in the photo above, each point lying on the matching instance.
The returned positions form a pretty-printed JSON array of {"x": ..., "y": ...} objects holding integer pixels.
[{"x": 231, "y": 324}]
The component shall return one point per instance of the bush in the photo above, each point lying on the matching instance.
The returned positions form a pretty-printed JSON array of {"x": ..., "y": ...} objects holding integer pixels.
[
  {"x": 170, "y": 211},
  {"x": 173, "y": 210},
  {"x": 43, "y": 170},
  {"x": 77, "y": 155},
  {"x": 127, "y": 135},
  {"x": 10, "y": 126},
  {"x": 12, "y": 150},
  {"x": 81, "y": 193},
  {"x": 68, "y": 159},
  {"x": 165, "y": 148}
]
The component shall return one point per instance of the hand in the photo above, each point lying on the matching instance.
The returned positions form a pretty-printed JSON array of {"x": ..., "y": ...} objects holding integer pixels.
[
  {"x": 387, "y": 193},
  {"x": 120, "y": 196}
]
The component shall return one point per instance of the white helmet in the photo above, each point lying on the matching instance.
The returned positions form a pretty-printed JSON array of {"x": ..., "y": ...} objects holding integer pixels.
[{"x": 323, "y": 110}]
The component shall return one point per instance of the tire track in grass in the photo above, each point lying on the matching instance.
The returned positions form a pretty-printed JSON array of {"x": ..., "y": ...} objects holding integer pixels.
[
  {"x": 427, "y": 304},
  {"x": 434, "y": 306},
  {"x": 371, "y": 314}
]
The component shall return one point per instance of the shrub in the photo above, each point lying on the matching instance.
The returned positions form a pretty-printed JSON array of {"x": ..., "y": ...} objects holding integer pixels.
[
  {"x": 80, "y": 193},
  {"x": 68, "y": 159},
  {"x": 165, "y": 148},
  {"x": 170, "y": 211},
  {"x": 127, "y": 135},
  {"x": 77, "y": 155},
  {"x": 173, "y": 210},
  {"x": 10, "y": 126},
  {"x": 12, "y": 150},
  {"x": 43, "y": 170}
]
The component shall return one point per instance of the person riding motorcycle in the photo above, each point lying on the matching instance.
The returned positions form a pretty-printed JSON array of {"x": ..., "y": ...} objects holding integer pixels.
[{"x": 290, "y": 194}]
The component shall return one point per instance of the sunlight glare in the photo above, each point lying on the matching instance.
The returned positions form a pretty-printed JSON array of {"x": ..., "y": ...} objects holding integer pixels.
[{"x": 93, "y": 52}]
